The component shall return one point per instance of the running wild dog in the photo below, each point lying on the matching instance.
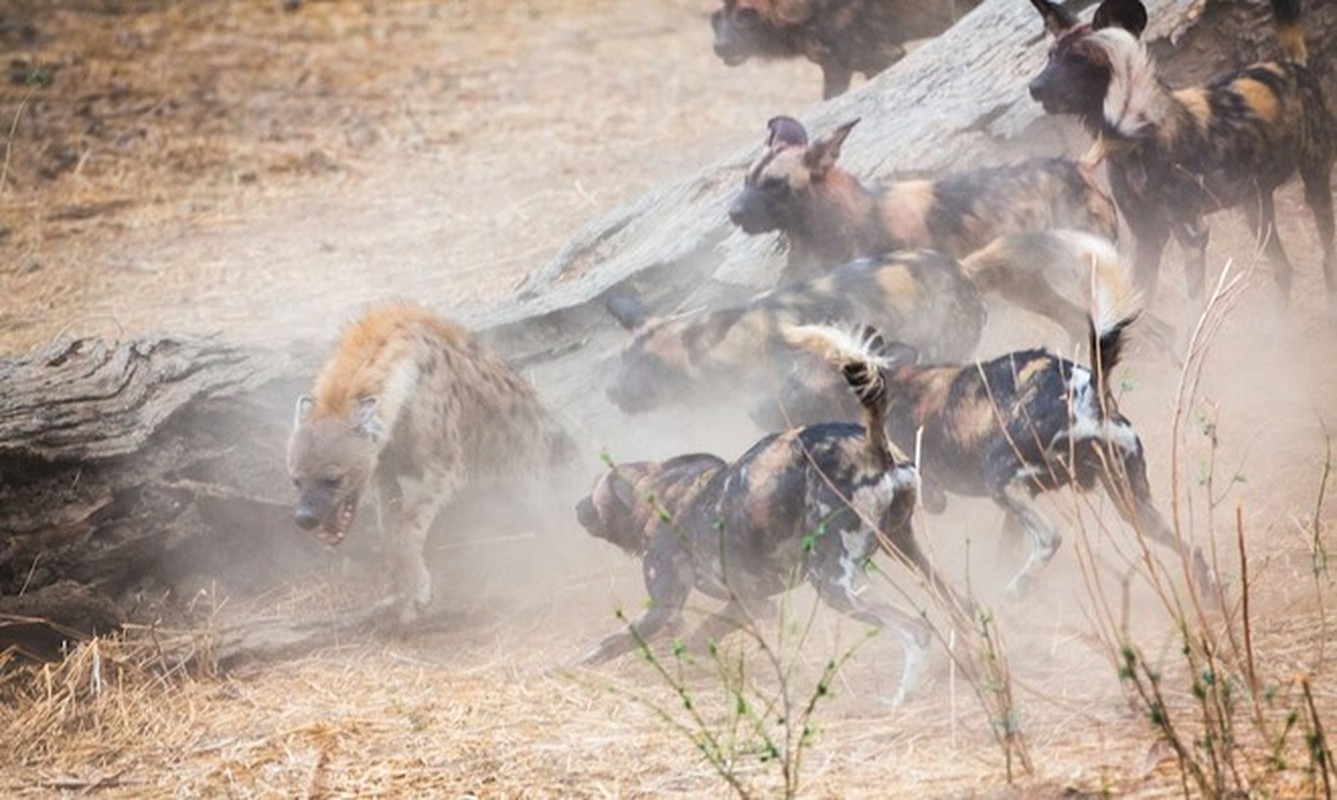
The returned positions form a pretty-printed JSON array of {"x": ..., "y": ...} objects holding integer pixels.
[
  {"x": 829, "y": 217},
  {"x": 842, "y": 36},
  {"x": 1176, "y": 155},
  {"x": 416, "y": 405},
  {"x": 1022, "y": 424},
  {"x": 811, "y": 504},
  {"x": 923, "y": 297}
]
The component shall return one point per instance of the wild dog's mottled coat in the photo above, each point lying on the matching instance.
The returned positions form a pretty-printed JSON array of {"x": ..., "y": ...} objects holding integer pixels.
[
  {"x": 1176, "y": 155},
  {"x": 415, "y": 403},
  {"x": 919, "y": 296},
  {"x": 829, "y": 217},
  {"x": 811, "y": 504},
  {"x": 842, "y": 36},
  {"x": 1025, "y": 423}
]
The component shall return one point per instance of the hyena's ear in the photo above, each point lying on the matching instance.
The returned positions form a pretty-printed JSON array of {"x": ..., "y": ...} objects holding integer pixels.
[
  {"x": 822, "y": 154},
  {"x": 366, "y": 421},
  {"x": 1057, "y": 18},
  {"x": 898, "y": 354},
  {"x": 303, "y": 410},
  {"x": 629, "y": 310},
  {"x": 785, "y": 131},
  {"x": 1130, "y": 15}
]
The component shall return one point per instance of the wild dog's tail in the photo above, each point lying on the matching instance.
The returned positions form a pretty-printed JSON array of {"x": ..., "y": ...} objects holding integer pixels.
[
  {"x": 859, "y": 354},
  {"x": 1114, "y": 306},
  {"x": 1290, "y": 30},
  {"x": 1068, "y": 276}
]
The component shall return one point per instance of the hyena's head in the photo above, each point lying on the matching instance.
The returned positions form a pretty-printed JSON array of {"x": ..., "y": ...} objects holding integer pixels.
[
  {"x": 1076, "y": 77},
  {"x": 761, "y": 28},
  {"x": 662, "y": 363},
  {"x": 628, "y": 498},
  {"x": 780, "y": 184},
  {"x": 331, "y": 459}
]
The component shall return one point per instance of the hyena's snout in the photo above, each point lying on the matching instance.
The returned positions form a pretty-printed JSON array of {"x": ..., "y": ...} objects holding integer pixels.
[{"x": 305, "y": 517}]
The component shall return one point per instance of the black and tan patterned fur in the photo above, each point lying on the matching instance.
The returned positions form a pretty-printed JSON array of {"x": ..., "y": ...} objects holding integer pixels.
[
  {"x": 1175, "y": 155},
  {"x": 829, "y": 216},
  {"x": 807, "y": 505},
  {"x": 842, "y": 36}
]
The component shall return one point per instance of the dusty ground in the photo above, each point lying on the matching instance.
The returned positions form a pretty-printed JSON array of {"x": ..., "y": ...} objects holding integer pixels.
[{"x": 229, "y": 166}]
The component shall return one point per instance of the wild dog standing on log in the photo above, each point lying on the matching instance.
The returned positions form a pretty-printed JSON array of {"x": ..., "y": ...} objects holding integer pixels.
[
  {"x": 923, "y": 297},
  {"x": 1175, "y": 155},
  {"x": 829, "y": 217},
  {"x": 809, "y": 504},
  {"x": 842, "y": 36},
  {"x": 418, "y": 405},
  {"x": 1025, "y": 423}
]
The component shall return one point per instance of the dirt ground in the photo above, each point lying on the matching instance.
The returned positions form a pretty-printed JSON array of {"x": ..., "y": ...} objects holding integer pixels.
[{"x": 234, "y": 167}]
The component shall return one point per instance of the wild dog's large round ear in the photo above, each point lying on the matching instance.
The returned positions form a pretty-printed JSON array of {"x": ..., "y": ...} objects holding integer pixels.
[
  {"x": 784, "y": 130},
  {"x": 366, "y": 421},
  {"x": 1130, "y": 15},
  {"x": 822, "y": 154},
  {"x": 1057, "y": 18},
  {"x": 625, "y": 306},
  {"x": 303, "y": 410}
]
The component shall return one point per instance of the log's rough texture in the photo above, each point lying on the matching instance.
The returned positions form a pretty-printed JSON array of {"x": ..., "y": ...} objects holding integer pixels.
[{"x": 129, "y": 468}]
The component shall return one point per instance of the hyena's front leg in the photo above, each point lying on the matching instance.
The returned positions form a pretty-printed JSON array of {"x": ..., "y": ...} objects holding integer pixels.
[{"x": 407, "y": 538}]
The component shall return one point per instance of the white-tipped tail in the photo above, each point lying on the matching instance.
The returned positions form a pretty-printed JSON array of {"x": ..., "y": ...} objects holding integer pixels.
[{"x": 858, "y": 354}]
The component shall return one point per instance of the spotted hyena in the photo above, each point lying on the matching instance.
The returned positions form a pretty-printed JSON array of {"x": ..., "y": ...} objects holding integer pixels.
[{"x": 415, "y": 406}]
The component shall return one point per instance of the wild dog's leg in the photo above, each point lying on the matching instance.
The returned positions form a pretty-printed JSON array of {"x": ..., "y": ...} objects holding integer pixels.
[
  {"x": 735, "y": 616},
  {"x": 833, "y": 579},
  {"x": 667, "y": 568},
  {"x": 1131, "y": 493},
  {"x": 1192, "y": 234},
  {"x": 835, "y": 79},
  {"x": 1318, "y": 196},
  {"x": 1262, "y": 218},
  {"x": 1150, "y": 235},
  {"x": 1016, "y": 499},
  {"x": 422, "y": 500}
]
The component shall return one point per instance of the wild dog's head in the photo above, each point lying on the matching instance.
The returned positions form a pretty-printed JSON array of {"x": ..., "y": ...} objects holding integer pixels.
[
  {"x": 331, "y": 458},
  {"x": 747, "y": 28},
  {"x": 627, "y": 498},
  {"x": 1076, "y": 78},
  {"x": 779, "y": 181},
  {"x": 663, "y": 362}
]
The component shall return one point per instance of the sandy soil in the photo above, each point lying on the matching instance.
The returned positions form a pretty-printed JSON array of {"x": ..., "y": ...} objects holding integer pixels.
[{"x": 229, "y": 166}]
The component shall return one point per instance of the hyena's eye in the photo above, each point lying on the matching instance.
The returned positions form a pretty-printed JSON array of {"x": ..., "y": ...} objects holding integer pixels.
[
  {"x": 296, "y": 483},
  {"x": 330, "y": 483}
]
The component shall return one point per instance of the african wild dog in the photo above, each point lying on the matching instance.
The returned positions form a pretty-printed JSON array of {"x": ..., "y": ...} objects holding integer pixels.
[
  {"x": 1025, "y": 423},
  {"x": 829, "y": 217},
  {"x": 809, "y": 504},
  {"x": 418, "y": 406},
  {"x": 842, "y": 36},
  {"x": 923, "y": 297},
  {"x": 1176, "y": 155}
]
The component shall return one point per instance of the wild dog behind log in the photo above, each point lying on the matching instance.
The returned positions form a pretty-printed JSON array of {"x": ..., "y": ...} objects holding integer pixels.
[
  {"x": 842, "y": 36},
  {"x": 829, "y": 217},
  {"x": 921, "y": 296},
  {"x": 1025, "y": 423},
  {"x": 1176, "y": 155},
  {"x": 811, "y": 504},
  {"x": 418, "y": 406}
]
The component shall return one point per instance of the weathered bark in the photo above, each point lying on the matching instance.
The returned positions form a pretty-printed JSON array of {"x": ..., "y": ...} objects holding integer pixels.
[{"x": 160, "y": 461}]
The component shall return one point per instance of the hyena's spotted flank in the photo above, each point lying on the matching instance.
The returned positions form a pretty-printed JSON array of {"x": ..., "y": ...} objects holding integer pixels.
[{"x": 417, "y": 405}]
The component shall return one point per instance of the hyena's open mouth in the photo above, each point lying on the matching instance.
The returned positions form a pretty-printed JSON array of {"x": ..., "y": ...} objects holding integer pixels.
[{"x": 332, "y": 533}]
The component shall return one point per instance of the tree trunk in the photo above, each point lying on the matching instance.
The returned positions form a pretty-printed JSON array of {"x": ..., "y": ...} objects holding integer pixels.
[{"x": 157, "y": 462}]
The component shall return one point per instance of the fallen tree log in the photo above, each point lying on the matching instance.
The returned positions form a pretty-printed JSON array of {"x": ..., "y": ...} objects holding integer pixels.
[{"x": 146, "y": 465}]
